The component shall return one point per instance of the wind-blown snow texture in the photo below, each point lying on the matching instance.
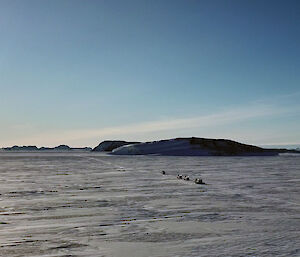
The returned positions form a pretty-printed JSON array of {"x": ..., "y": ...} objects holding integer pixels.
[{"x": 92, "y": 204}]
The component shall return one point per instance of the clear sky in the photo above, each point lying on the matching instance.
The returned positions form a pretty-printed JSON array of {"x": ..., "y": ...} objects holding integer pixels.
[{"x": 79, "y": 72}]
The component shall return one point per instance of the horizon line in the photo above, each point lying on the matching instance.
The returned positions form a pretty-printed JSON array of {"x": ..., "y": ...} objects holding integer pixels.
[{"x": 87, "y": 146}]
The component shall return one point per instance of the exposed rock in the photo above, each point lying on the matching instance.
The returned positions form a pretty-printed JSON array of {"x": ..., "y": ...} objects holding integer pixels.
[
  {"x": 57, "y": 148},
  {"x": 21, "y": 148},
  {"x": 196, "y": 147},
  {"x": 62, "y": 147},
  {"x": 109, "y": 145}
]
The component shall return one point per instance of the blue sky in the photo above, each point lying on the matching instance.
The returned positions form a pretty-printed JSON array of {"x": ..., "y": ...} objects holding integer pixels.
[{"x": 78, "y": 72}]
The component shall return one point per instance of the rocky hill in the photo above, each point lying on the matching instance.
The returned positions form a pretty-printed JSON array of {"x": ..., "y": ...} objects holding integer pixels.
[{"x": 197, "y": 147}]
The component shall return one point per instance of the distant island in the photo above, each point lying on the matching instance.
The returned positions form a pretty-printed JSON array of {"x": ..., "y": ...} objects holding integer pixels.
[
  {"x": 35, "y": 148},
  {"x": 191, "y": 146}
]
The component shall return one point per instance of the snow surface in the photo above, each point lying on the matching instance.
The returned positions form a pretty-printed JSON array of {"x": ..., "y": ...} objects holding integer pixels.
[{"x": 93, "y": 204}]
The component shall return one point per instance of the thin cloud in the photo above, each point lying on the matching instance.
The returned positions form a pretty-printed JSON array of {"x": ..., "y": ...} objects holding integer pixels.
[{"x": 205, "y": 121}]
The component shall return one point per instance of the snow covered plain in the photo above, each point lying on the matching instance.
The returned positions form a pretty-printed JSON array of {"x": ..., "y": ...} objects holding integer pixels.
[{"x": 92, "y": 204}]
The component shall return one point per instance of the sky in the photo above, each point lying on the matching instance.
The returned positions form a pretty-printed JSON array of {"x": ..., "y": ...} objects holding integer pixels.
[{"x": 79, "y": 72}]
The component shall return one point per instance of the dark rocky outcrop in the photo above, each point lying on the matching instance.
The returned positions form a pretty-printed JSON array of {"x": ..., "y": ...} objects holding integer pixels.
[
  {"x": 197, "y": 147},
  {"x": 57, "y": 148},
  {"x": 21, "y": 148},
  {"x": 62, "y": 147},
  {"x": 109, "y": 145},
  {"x": 229, "y": 147}
]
